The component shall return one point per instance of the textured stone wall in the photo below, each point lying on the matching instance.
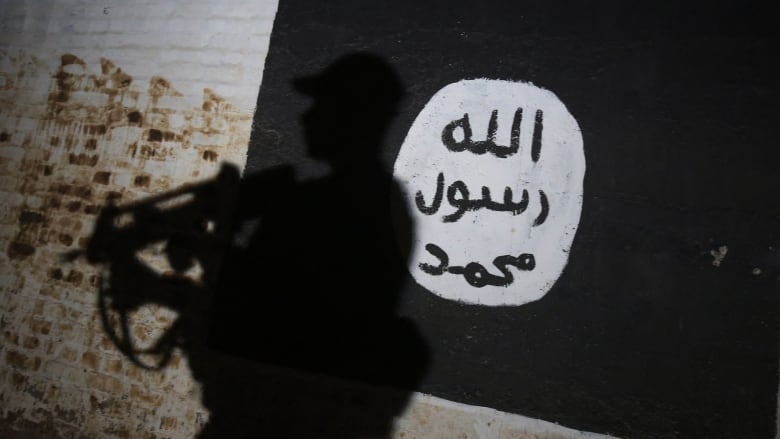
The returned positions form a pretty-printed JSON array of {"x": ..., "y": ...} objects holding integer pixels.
[{"x": 106, "y": 101}]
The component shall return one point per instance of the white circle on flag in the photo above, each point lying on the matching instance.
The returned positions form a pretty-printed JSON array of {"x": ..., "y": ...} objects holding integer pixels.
[{"x": 492, "y": 174}]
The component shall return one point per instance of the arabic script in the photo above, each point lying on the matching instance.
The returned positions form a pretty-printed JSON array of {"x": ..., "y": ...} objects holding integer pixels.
[
  {"x": 475, "y": 273},
  {"x": 459, "y": 198},
  {"x": 480, "y": 147}
]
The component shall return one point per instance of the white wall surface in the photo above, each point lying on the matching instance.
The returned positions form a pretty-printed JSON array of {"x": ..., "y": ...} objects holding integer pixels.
[{"x": 71, "y": 73}]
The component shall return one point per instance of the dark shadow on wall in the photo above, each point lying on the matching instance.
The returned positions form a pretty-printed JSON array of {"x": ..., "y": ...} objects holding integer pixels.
[{"x": 293, "y": 331}]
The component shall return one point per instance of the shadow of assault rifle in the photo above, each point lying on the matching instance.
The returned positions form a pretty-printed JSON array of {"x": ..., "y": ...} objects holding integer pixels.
[{"x": 192, "y": 223}]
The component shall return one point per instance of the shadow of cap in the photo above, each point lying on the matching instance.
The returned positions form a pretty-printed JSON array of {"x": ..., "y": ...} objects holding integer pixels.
[{"x": 359, "y": 79}]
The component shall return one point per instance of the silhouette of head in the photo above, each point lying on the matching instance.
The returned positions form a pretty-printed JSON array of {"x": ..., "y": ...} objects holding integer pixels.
[{"x": 356, "y": 97}]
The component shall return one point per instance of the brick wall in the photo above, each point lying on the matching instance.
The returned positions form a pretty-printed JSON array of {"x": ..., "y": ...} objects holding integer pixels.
[{"x": 106, "y": 101}]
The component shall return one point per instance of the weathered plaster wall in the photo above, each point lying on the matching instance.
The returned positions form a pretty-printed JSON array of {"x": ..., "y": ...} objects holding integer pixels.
[
  {"x": 111, "y": 101},
  {"x": 106, "y": 101}
]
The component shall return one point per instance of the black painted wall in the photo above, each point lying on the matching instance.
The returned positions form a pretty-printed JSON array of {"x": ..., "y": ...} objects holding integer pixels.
[{"x": 642, "y": 336}]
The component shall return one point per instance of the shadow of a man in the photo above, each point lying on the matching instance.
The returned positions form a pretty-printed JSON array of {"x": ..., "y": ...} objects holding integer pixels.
[
  {"x": 294, "y": 331},
  {"x": 316, "y": 285}
]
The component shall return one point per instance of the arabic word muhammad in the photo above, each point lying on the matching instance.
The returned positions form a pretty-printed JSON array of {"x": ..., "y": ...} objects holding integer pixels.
[{"x": 492, "y": 173}]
